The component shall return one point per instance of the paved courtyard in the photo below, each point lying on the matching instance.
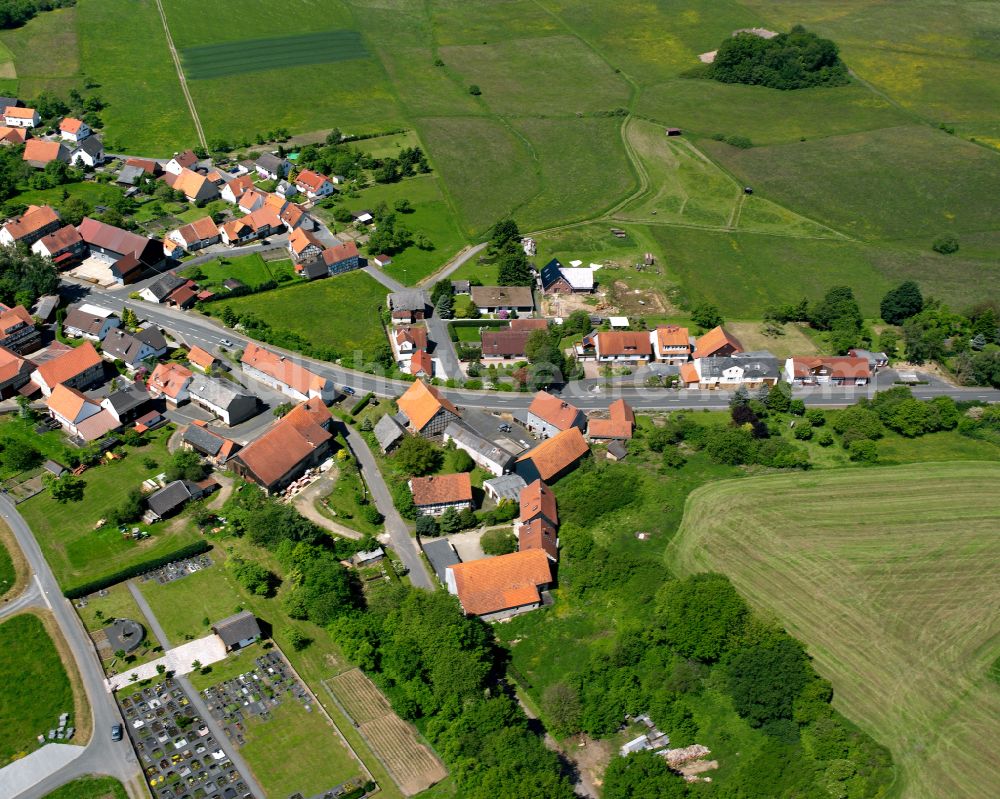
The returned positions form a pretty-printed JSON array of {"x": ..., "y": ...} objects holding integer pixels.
[{"x": 209, "y": 649}]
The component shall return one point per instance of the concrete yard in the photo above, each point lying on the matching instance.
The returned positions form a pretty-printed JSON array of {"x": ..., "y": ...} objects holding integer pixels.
[{"x": 209, "y": 649}]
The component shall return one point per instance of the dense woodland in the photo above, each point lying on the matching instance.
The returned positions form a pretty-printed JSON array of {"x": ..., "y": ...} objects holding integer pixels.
[{"x": 798, "y": 59}]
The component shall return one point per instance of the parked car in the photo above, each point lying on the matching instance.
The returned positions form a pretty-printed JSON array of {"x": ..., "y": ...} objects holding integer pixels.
[
  {"x": 504, "y": 428},
  {"x": 116, "y": 732},
  {"x": 348, "y": 390}
]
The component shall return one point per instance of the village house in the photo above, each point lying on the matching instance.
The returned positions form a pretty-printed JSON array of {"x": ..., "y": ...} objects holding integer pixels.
[
  {"x": 340, "y": 258},
  {"x": 492, "y": 299},
  {"x": 620, "y": 423},
  {"x": 312, "y": 270},
  {"x": 252, "y": 200},
  {"x": 215, "y": 448},
  {"x": 671, "y": 344},
  {"x": 260, "y": 224},
  {"x": 623, "y": 347},
  {"x": 129, "y": 254},
  {"x": 35, "y": 222},
  {"x": 433, "y": 495},
  {"x": 196, "y": 235},
  {"x": 426, "y": 411},
  {"x": 407, "y": 306},
  {"x": 79, "y": 368},
  {"x": 200, "y": 359},
  {"x": 500, "y": 588},
  {"x": 90, "y": 321},
  {"x": 236, "y": 188},
  {"x": 88, "y": 153},
  {"x": 180, "y": 162},
  {"x": 558, "y": 279},
  {"x": 285, "y": 189},
  {"x": 193, "y": 185},
  {"x": 286, "y": 376},
  {"x": 303, "y": 246},
  {"x": 128, "y": 403},
  {"x": 15, "y": 372},
  {"x": 15, "y": 117},
  {"x": 540, "y": 535},
  {"x": 17, "y": 330},
  {"x": 12, "y": 137},
  {"x": 504, "y": 344},
  {"x": 716, "y": 343},
  {"x": 294, "y": 216},
  {"x": 185, "y": 296},
  {"x": 158, "y": 291},
  {"x": 837, "y": 371},
  {"x": 389, "y": 432},
  {"x": 65, "y": 247},
  {"x": 223, "y": 399},
  {"x": 79, "y": 417},
  {"x": 298, "y": 441},
  {"x": 313, "y": 184},
  {"x": 39, "y": 153},
  {"x": 170, "y": 381},
  {"x": 537, "y": 502},
  {"x": 553, "y": 458},
  {"x": 74, "y": 130},
  {"x": 134, "y": 348},
  {"x": 750, "y": 369},
  {"x": 549, "y": 415},
  {"x": 409, "y": 345},
  {"x": 484, "y": 453},
  {"x": 876, "y": 360},
  {"x": 421, "y": 364},
  {"x": 237, "y": 231},
  {"x": 272, "y": 167}
]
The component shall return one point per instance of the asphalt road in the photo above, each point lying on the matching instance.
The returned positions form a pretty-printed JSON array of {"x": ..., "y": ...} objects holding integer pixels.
[{"x": 101, "y": 755}]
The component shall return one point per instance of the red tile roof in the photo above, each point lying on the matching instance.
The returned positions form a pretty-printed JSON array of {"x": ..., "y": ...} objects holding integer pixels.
[
  {"x": 558, "y": 413},
  {"x": 70, "y": 125},
  {"x": 713, "y": 341},
  {"x": 671, "y": 337},
  {"x": 421, "y": 402},
  {"x": 111, "y": 238},
  {"x": 537, "y": 499},
  {"x": 689, "y": 373},
  {"x": 557, "y": 453},
  {"x": 67, "y": 402},
  {"x": 441, "y": 489},
  {"x": 620, "y": 424},
  {"x": 422, "y": 364},
  {"x": 10, "y": 365},
  {"x": 625, "y": 342},
  {"x": 69, "y": 364},
  {"x": 504, "y": 343},
  {"x": 283, "y": 370},
  {"x": 289, "y": 441},
  {"x": 19, "y": 113},
  {"x": 539, "y": 534},
  {"x": 14, "y": 318},
  {"x": 63, "y": 239},
  {"x": 31, "y": 221},
  {"x": 201, "y": 358},
  {"x": 199, "y": 230},
  {"x": 310, "y": 179},
  {"x": 170, "y": 379},
  {"x": 13, "y": 135},
  {"x": 300, "y": 240},
  {"x": 844, "y": 367},
  {"x": 529, "y": 324},
  {"x": 416, "y": 336},
  {"x": 509, "y": 581},
  {"x": 340, "y": 252}
]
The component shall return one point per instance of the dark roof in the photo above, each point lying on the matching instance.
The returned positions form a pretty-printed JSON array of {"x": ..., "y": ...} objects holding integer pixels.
[
  {"x": 237, "y": 628},
  {"x": 387, "y": 432},
  {"x": 314, "y": 269},
  {"x": 166, "y": 285},
  {"x": 203, "y": 440},
  {"x": 759, "y": 366},
  {"x": 272, "y": 163},
  {"x": 441, "y": 554},
  {"x": 128, "y": 399},
  {"x": 7, "y": 102},
  {"x": 617, "y": 448},
  {"x": 551, "y": 272},
  {"x": 153, "y": 337},
  {"x": 461, "y": 286},
  {"x": 504, "y": 343},
  {"x": 408, "y": 300},
  {"x": 231, "y": 283},
  {"x": 92, "y": 146},
  {"x": 169, "y": 498},
  {"x": 130, "y": 174}
]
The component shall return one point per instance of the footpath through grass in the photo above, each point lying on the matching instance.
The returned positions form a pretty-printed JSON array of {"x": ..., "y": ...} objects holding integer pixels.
[
  {"x": 34, "y": 686},
  {"x": 889, "y": 576}
]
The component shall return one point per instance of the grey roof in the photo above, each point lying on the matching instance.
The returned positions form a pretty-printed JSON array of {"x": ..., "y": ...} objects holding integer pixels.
[
  {"x": 753, "y": 367},
  {"x": 220, "y": 393},
  {"x": 130, "y": 174},
  {"x": 387, "y": 432},
  {"x": 461, "y": 286},
  {"x": 203, "y": 440},
  {"x": 408, "y": 300},
  {"x": 92, "y": 146},
  {"x": 166, "y": 285},
  {"x": 128, "y": 399},
  {"x": 870, "y": 356},
  {"x": 272, "y": 163},
  {"x": 753, "y": 354},
  {"x": 483, "y": 446},
  {"x": 45, "y": 306},
  {"x": 152, "y": 336},
  {"x": 121, "y": 346},
  {"x": 78, "y": 319},
  {"x": 506, "y": 486},
  {"x": 314, "y": 269},
  {"x": 54, "y": 467},
  {"x": 169, "y": 498},
  {"x": 441, "y": 555},
  {"x": 502, "y": 296},
  {"x": 617, "y": 448},
  {"x": 236, "y": 628}
]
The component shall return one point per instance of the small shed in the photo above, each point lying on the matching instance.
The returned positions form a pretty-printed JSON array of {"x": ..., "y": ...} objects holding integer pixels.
[
  {"x": 617, "y": 451},
  {"x": 368, "y": 558},
  {"x": 674, "y": 131}
]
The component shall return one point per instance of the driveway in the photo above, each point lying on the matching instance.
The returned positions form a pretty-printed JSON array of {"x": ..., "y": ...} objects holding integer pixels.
[{"x": 305, "y": 503}]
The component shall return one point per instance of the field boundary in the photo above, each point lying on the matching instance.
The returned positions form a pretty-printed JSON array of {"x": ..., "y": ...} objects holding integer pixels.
[
  {"x": 180, "y": 76},
  {"x": 22, "y": 572}
]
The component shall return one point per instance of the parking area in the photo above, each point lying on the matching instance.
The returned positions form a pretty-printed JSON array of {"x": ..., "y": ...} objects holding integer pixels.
[{"x": 178, "y": 753}]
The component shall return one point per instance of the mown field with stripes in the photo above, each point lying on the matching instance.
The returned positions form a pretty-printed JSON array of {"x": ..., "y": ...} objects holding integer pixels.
[
  {"x": 234, "y": 58},
  {"x": 891, "y": 576}
]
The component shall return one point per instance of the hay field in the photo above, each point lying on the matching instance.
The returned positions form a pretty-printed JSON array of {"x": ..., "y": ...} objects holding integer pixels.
[{"x": 891, "y": 577}]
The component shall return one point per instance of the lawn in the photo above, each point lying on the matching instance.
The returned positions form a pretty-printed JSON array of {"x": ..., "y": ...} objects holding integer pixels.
[
  {"x": 90, "y": 788},
  {"x": 67, "y": 532},
  {"x": 319, "y": 763},
  {"x": 29, "y": 659},
  {"x": 123, "y": 48},
  {"x": 89, "y": 191},
  {"x": 45, "y": 53},
  {"x": 339, "y": 312},
  {"x": 251, "y": 270},
  {"x": 50, "y": 443},
  {"x": 431, "y": 215},
  {"x": 342, "y": 504},
  {"x": 889, "y": 577},
  {"x": 118, "y": 603}
]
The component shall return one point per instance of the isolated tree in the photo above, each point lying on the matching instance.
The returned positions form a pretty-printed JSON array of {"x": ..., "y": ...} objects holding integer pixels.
[
  {"x": 503, "y": 233},
  {"x": 706, "y": 315},
  {"x": 417, "y": 456},
  {"x": 445, "y": 306},
  {"x": 901, "y": 303},
  {"x": 67, "y": 488},
  {"x": 427, "y": 526},
  {"x": 561, "y": 705},
  {"x": 449, "y": 521},
  {"x": 946, "y": 245}
]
